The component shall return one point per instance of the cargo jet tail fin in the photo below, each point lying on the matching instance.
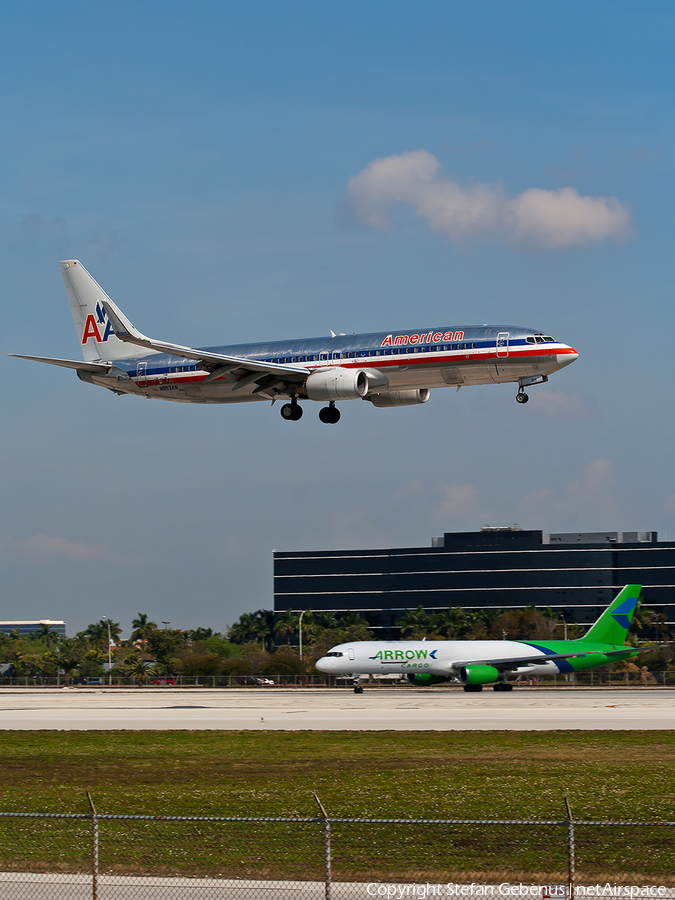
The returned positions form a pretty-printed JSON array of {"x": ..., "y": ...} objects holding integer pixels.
[
  {"x": 88, "y": 305},
  {"x": 612, "y": 626}
]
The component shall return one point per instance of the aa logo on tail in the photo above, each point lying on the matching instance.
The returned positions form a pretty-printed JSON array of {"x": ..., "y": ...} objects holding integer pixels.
[{"x": 93, "y": 328}]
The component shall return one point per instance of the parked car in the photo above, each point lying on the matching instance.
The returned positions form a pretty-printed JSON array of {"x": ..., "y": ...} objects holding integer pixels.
[
  {"x": 253, "y": 679},
  {"x": 166, "y": 680}
]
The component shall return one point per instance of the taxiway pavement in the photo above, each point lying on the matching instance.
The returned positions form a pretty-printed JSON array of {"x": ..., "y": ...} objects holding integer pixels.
[{"x": 382, "y": 709}]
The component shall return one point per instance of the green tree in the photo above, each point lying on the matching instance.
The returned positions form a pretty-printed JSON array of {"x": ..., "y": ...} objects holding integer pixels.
[
  {"x": 45, "y": 635},
  {"x": 135, "y": 667},
  {"x": 415, "y": 624},
  {"x": 141, "y": 627},
  {"x": 164, "y": 643},
  {"x": 259, "y": 626},
  {"x": 287, "y": 625},
  {"x": 201, "y": 634},
  {"x": 97, "y": 632}
]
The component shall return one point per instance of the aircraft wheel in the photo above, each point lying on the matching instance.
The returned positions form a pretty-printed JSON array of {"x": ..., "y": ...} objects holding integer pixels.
[
  {"x": 507, "y": 687},
  {"x": 522, "y": 397},
  {"x": 329, "y": 415},
  {"x": 358, "y": 690},
  {"x": 291, "y": 412},
  {"x": 473, "y": 688}
]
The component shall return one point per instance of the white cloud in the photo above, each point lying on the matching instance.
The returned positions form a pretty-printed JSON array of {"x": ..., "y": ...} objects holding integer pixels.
[{"x": 536, "y": 217}]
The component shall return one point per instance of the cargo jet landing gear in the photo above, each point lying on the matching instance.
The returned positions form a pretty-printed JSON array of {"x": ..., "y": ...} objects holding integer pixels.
[
  {"x": 291, "y": 411},
  {"x": 521, "y": 396},
  {"x": 330, "y": 415},
  {"x": 358, "y": 689},
  {"x": 502, "y": 686}
]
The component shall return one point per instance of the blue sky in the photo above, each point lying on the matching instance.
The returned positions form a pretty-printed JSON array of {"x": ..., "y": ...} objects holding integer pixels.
[{"x": 197, "y": 159}]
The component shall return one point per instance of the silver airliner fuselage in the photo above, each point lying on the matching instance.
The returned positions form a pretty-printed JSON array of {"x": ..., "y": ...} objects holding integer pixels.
[{"x": 386, "y": 368}]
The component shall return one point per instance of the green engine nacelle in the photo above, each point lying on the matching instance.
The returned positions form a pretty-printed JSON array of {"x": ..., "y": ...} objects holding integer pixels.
[
  {"x": 478, "y": 674},
  {"x": 426, "y": 678}
]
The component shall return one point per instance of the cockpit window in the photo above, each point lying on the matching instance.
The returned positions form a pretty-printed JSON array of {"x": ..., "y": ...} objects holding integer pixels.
[
  {"x": 335, "y": 653},
  {"x": 547, "y": 337},
  {"x": 531, "y": 340}
]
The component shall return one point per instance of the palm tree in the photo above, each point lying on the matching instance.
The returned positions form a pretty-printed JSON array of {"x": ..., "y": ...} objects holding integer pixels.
[
  {"x": 201, "y": 634},
  {"x": 45, "y": 634},
  {"x": 415, "y": 624},
  {"x": 135, "y": 667},
  {"x": 97, "y": 632},
  {"x": 287, "y": 625},
  {"x": 265, "y": 625},
  {"x": 244, "y": 630},
  {"x": 142, "y": 626}
]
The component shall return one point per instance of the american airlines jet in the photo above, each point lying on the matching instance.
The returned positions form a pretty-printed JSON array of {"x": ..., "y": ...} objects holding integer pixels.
[
  {"x": 397, "y": 368},
  {"x": 477, "y": 663}
]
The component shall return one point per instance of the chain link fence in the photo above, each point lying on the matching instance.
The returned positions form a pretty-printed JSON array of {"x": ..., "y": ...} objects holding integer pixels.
[{"x": 119, "y": 857}]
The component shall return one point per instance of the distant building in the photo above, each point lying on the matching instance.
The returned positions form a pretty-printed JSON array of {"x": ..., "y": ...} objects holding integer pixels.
[
  {"x": 25, "y": 626},
  {"x": 576, "y": 574}
]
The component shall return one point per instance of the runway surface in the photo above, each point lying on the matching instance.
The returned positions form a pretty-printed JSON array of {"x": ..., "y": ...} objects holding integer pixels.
[{"x": 402, "y": 709}]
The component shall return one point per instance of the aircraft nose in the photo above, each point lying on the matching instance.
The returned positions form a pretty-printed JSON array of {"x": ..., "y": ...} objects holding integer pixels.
[{"x": 566, "y": 358}]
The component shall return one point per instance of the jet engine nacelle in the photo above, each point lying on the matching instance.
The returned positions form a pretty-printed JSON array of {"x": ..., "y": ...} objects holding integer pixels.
[
  {"x": 423, "y": 679},
  {"x": 399, "y": 398},
  {"x": 478, "y": 674},
  {"x": 337, "y": 384}
]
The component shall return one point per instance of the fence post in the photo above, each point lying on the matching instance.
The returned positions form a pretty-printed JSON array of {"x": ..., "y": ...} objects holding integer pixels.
[
  {"x": 570, "y": 850},
  {"x": 326, "y": 847},
  {"x": 94, "y": 848}
]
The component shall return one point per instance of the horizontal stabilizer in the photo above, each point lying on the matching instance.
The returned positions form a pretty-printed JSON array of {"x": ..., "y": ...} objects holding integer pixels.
[{"x": 93, "y": 367}]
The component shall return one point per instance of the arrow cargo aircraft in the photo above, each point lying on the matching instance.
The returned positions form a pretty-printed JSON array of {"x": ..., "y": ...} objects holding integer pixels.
[
  {"x": 476, "y": 663},
  {"x": 388, "y": 369}
]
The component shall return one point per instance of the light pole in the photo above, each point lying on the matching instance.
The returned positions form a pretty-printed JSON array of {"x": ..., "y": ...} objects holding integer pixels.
[
  {"x": 300, "y": 629},
  {"x": 165, "y": 624},
  {"x": 107, "y": 621}
]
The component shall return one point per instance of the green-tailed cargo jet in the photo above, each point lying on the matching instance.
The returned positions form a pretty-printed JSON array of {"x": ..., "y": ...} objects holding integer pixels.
[{"x": 476, "y": 663}]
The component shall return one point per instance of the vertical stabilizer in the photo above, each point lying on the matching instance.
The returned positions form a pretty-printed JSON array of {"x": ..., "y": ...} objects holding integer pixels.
[
  {"x": 94, "y": 331},
  {"x": 612, "y": 626}
]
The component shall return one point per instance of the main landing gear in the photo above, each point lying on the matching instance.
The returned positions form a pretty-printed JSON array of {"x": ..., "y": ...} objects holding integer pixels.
[
  {"x": 502, "y": 686},
  {"x": 473, "y": 688},
  {"x": 358, "y": 689},
  {"x": 291, "y": 411},
  {"x": 330, "y": 415},
  {"x": 521, "y": 396}
]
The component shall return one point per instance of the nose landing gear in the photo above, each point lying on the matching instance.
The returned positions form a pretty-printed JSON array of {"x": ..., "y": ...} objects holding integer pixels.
[
  {"x": 521, "y": 396},
  {"x": 358, "y": 689},
  {"x": 291, "y": 411},
  {"x": 330, "y": 415}
]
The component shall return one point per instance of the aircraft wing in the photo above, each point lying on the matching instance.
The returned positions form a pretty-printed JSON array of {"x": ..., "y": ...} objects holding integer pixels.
[
  {"x": 217, "y": 362},
  {"x": 516, "y": 661},
  {"x": 94, "y": 367}
]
